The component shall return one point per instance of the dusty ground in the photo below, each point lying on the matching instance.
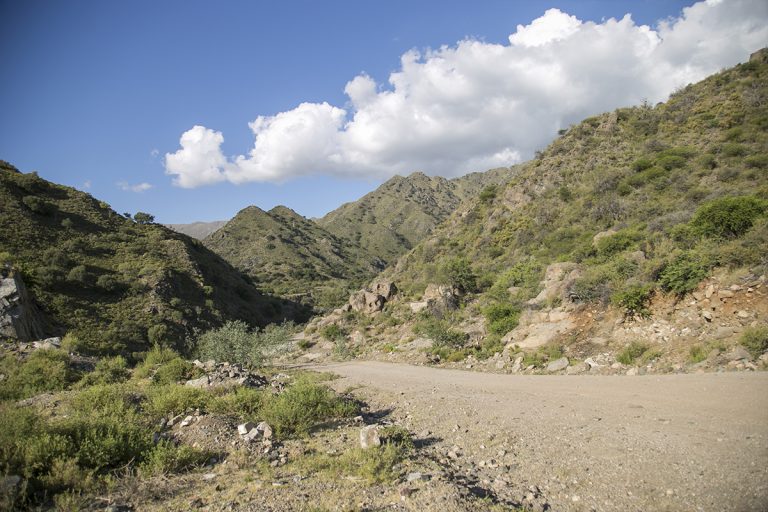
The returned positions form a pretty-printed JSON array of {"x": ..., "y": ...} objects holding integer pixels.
[{"x": 656, "y": 442}]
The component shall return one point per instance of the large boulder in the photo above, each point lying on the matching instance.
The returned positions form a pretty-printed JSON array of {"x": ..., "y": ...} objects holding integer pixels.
[
  {"x": 19, "y": 317},
  {"x": 557, "y": 278},
  {"x": 366, "y": 302}
]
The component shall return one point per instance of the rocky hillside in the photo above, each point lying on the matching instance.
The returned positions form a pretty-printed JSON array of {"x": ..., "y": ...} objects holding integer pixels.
[
  {"x": 404, "y": 210},
  {"x": 197, "y": 230},
  {"x": 595, "y": 246},
  {"x": 114, "y": 284}
]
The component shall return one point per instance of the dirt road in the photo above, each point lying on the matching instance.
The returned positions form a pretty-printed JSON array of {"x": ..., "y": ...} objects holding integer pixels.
[{"x": 661, "y": 442}]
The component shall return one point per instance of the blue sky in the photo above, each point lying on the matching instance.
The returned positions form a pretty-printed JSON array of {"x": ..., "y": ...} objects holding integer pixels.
[{"x": 95, "y": 94}]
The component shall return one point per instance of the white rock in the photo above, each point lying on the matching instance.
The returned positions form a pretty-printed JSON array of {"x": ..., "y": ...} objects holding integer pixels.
[
  {"x": 244, "y": 428},
  {"x": 370, "y": 437},
  {"x": 264, "y": 429},
  {"x": 187, "y": 421}
]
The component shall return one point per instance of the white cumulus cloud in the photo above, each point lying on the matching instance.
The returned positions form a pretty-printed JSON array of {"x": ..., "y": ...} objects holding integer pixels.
[{"x": 477, "y": 105}]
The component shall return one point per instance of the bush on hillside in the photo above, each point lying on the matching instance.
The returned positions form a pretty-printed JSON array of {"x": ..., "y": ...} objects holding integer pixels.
[
  {"x": 729, "y": 217},
  {"x": 684, "y": 273}
]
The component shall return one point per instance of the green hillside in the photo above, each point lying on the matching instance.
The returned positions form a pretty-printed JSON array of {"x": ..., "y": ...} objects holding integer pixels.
[
  {"x": 641, "y": 204},
  {"x": 116, "y": 284},
  {"x": 401, "y": 212},
  {"x": 292, "y": 256},
  {"x": 652, "y": 179},
  {"x": 320, "y": 263}
]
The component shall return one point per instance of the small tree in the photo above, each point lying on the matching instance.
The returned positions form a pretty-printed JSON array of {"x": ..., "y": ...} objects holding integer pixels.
[{"x": 143, "y": 218}]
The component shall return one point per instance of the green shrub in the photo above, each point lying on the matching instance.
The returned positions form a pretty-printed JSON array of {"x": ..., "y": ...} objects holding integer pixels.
[
  {"x": 632, "y": 352},
  {"x": 459, "y": 274},
  {"x": 757, "y": 161},
  {"x": 488, "y": 194},
  {"x": 755, "y": 339},
  {"x": 642, "y": 164},
  {"x": 684, "y": 273},
  {"x": 173, "y": 371},
  {"x": 110, "y": 370},
  {"x": 634, "y": 299},
  {"x": 38, "y": 205},
  {"x": 78, "y": 274},
  {"x": 245, "y": 403},
  {"x": 43, "y": 370},
  {"x": 236, "y": 343},
  {"x": 733, "y": 149},
  {"x": 729, "y": 217},
  {"x": 670, "y": 162},
  {"x": 697, "y": 354},
  {"x": 440, "y": 333},
  {"x": 332, "y": 332},
  {"x": 618, "y": 242},
  {"x": 304, "y": 405},
  {"x": 166, "y": 458},
  {"x": 501, "y": 318},
  {"x": 163, "y": 401}
]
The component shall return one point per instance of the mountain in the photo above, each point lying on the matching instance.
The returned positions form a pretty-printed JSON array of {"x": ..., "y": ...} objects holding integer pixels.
[
  {"x": 597, "y": 240},
  {"x": 115, "y": 284},
  {"x": 320, "y": 262},
  {"x": 198, "y": 230},
  {"x": 401, "y": 212},
  {"x": 292, "y": 256}
]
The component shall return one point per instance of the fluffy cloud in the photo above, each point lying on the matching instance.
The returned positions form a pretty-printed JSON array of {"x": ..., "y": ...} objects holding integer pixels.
[
  {"x": 139, "y": 187},
  {"x": 479, "y": 105}
]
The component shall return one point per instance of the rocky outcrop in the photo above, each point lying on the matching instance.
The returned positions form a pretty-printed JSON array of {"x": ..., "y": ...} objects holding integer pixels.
[
  {"x": 20, "y": 318},
  {"x": 437, "y": 297},
  {"x": 372, "y": 300}
]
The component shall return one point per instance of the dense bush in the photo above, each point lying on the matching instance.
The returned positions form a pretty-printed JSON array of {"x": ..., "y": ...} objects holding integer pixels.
[
  {"x": 501, "y": 318},
  {"x": 729, "y": 217},
  {"x": 110, "y": 370},
  {"x": 302, "y": 406},
  {"x": 632, "y": 352},
  {"x": 43, "y": 370},
  {"x": 440, "y": 333},
  {"x": 684, "y": 273},
  {"x": 755, "y": 339},
  {"x": 634, "y": 298},
  {"x": 458, "y": 272},
  {"x": 236, "y": 343}
]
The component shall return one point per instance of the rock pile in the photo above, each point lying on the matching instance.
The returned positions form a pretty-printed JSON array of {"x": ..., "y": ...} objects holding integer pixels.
[{"x": 226, "y": 374}]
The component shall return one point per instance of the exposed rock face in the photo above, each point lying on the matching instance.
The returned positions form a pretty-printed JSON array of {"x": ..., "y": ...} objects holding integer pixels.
[
  {"x": 19, "y": 317},
  {"x": 372, "y": 301},
  {"x": 437, "y": 298}
]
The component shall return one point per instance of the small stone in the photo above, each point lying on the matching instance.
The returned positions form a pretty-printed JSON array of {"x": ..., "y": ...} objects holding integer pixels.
[
  {"x": 575, "y": 498},
  {"x": 725, "y": 294},
  {"x": 709, "y": 291},
  {"x": 370, "y": 437},
  {"x": 591, "y": 363},
  {"x": 202, "y": 382},
  {"x": 632, "y": 371},
  {"x": 738, "y": 353},
  {"x": 413, "y": 477},
  {"x": 244, "y": 428},
  {"x": 187, "y": 421},
  {"x": 743, "y": 314},
  {"x": 265, "y": 429},
  {"x": 209, "y": 476},
  {"x": 558, "y": 364},
  {"x": 707, "y": 316}
]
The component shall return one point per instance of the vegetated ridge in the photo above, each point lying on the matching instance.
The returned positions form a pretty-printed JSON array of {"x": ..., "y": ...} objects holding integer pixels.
[
  {"x": 116, "y": 284},
  {"x": 593, "y": 246},
  {"x": 321, "y": 262}
]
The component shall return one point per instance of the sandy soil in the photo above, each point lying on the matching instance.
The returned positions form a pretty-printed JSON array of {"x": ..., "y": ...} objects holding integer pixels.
[{"x": 659, "y": 442}]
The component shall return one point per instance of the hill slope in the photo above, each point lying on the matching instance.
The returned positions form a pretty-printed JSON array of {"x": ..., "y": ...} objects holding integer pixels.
[
  {"x": 597, "y": 240},
  {"x": 321, "y": 262},
  {"x": 116, "y": 284},
  {"x": 402, "y": 211},
  {"x": 292, "y": 256}
]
